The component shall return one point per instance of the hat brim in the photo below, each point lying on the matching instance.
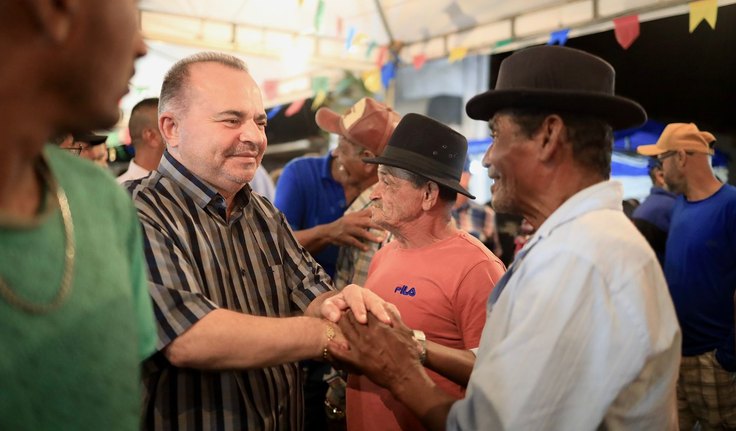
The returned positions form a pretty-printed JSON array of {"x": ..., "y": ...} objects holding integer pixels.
[
  {"x": 328, "y": 120},
  {"x": 650, "y": 150},
  {"x": 449, "y": 183},
  {"x": 618, "y": 112}
]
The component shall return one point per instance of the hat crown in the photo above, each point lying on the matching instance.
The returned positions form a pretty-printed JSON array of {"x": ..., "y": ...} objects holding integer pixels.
[
  {"x": 432, "y": 140},
  {"x": 685, "y": 136},
  {"x": 367, "y": 123},
  {"x": 558, "y": 79},
  {"x": 556, "y": 68},
  {"x": 427, "y": 148}
]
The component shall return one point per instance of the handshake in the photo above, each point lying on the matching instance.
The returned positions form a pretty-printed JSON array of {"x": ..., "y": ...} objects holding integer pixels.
[{"x": 366, "y": 335}]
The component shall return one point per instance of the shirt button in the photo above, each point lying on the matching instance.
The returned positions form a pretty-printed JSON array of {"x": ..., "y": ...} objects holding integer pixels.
[{"x": 243, "y": 272}]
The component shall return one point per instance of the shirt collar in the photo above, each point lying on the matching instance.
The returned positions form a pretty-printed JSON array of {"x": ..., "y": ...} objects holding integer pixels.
[
  {"x": 202, "y": 193},
  {"x": 135, "y": 168},
  {"x": 326, "y": 170},
  {"x": 603, "y": 195}
]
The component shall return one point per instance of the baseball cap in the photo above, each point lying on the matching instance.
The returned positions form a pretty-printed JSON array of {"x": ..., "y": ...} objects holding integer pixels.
[
  {"x": 367, "y": 123},
  {"x": 680, "y": 136}
]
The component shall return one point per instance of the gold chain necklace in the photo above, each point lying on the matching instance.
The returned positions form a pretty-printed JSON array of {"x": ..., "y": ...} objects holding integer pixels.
[{"x": 66, "y": 278}]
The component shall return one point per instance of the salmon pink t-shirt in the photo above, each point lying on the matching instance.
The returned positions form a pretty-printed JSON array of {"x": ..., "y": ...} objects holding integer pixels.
[{"x": 440, "y": 289}]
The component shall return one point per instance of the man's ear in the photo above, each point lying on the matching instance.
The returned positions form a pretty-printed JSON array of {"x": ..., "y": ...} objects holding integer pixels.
[
  {"x": 551, "y": 134},
  {"x": 169, "y": 127},
  {"x": 54, "y": 17},
  {"x": 368, "y": 167},
  {"x": 430, "y": 195}
]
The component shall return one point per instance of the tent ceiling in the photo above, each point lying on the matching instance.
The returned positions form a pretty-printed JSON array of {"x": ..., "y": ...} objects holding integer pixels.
[{"x": 279, "y": 41}]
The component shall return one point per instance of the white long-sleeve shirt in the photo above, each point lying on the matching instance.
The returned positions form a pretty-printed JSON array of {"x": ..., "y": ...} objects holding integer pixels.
[{"x": 584, "y": 335}]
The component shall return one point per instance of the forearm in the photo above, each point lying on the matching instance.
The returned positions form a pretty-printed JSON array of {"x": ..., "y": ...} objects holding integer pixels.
[
  {"x": 225, "y": 339},
  {"x": 314, "y": 239},
  {"x": 432, "y": 407},
  {"x": 455, "y": 364}
]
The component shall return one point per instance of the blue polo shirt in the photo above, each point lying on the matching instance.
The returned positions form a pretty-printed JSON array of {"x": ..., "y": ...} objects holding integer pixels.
[{"x": 308, "y": 196}]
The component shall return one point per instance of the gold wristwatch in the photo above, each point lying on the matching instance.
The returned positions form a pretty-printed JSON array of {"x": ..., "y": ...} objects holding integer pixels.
[{"x": 421, "y": 340}]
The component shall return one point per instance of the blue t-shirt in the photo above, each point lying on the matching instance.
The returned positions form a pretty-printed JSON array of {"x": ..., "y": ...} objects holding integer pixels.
[
  {"x": 308, "y": 196},
  {"x": 700, "y": 266}
]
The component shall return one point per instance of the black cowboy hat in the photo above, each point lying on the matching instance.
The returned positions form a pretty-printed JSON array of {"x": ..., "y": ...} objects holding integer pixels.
[
  {"x": 558, "y": 78},
  {"x": 428, "y": 148}
]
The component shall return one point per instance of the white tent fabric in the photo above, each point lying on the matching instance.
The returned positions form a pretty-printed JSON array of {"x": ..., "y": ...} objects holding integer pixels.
[{"x": 282, "y": 40}]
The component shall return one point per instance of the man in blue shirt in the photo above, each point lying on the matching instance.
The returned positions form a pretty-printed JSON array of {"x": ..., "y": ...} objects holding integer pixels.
[
  {"x": 652, "y": 217},
  {"x": 311, "y": 199},
  {"x": 700, "y": 267}
]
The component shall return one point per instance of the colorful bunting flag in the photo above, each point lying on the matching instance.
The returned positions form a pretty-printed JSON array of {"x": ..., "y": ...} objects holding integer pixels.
[
  {"x": 371, "y": 47},
  {"x": 320, "y": 83},
  {"x": 382, "y": 56},
  {"x": 419, "y": 61},
  {"x": 457, "y": 54},
  {"x": 294, "y": 108},
  {"x": 360, "y": 38},
  {"x": 703, "y": 10},
  {"x": 338, "y": 24},
  {"x": 558, "y": 37},
  {"x": 319, "y": 99},
  {"x": 319, "y": 15},
  {"x": 504, "y": 42},
  {"x": 626, "y": 29},
  {"x": 270, "y": 88},
  {"x": 349, "y": 38},
  {"x": 388, "y": 72},
  {"x": 273, "y": 111},
  {"x": 372, "y": 80}
]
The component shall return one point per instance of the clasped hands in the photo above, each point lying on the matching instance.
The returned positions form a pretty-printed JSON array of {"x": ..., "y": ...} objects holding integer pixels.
[{"x": 373, "y": 340}]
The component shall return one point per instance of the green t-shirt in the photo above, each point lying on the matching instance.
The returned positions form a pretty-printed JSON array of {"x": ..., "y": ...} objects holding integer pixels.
[{"x": 76, "y": 367}]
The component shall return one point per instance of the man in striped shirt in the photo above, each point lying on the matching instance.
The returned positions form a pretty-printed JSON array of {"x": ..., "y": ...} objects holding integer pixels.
[{"x": 236, "y": 298}]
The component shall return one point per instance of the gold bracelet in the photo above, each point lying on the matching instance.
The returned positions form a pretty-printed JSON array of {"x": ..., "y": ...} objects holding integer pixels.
[{"x": 330, "y": 333}]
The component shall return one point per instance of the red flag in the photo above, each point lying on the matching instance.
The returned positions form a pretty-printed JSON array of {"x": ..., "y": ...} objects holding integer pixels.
[
  {"x": 270, "y": 88},
  {"x": 294, "y": 108},
  {"x": 382, "y": 54},
  {"x": 626, "y": 29},
  {"x": 419, "y": 61}
]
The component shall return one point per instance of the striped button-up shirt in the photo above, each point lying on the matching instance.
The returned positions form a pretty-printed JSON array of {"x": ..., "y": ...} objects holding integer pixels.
[{"x": 200, "y": 260}]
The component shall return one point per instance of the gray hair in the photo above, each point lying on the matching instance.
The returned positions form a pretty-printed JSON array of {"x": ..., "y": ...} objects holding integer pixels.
[
  {"x": 176, "y": 78},
  {"x": 446, "y": 195}
]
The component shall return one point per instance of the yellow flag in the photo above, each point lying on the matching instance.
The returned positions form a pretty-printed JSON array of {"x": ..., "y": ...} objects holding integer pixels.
[
  {"x": 458, "y": 54},
  {"x": 372, "y": 80},
  {"x": 360, "y": 38},
  {"x": 319, "y": 99},
  {"x": 703, "y": 10}
]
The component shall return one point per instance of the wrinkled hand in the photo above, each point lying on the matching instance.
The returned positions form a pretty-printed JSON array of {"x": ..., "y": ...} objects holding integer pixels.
[
  {"x": 385, "y": 354},
  {"x": 360, "y": 301},
  {"x": 352, "y": 229}
]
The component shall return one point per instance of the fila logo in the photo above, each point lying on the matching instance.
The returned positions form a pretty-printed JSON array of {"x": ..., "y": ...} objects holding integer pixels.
[{"x": 404, "y": 290}]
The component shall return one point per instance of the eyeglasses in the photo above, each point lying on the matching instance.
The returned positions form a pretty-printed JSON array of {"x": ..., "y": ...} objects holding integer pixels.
[
  {"x": 74, "y": 150},
  {"x": 663, "y": 156}
]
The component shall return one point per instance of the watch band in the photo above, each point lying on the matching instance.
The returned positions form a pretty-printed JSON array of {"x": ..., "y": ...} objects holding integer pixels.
[{"x": 421, "y": 340}]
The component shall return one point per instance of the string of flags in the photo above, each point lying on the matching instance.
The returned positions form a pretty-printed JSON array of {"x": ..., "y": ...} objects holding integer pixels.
[{"x": 626, "y": 32}]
